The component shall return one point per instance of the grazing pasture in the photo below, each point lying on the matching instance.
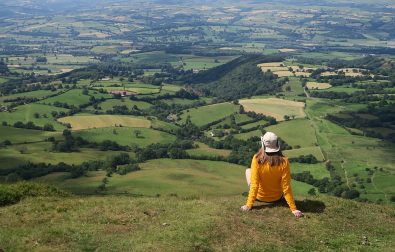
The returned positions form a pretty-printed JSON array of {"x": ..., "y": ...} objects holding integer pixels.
[
  {"x": 298, "y": 132},
  {"x": 39, "y": 114},
  {"x": 72, "y": 97},
  {"x": 110, "y": 103},
  {"x": 15, "y": 135},
  {"x": 80, "y": 122},
  {"x": 39, "y": 94},
  {"x": 141, "y": 137},
  {"x": 247, "y": 135},
  {"x": 205, "y": 150},
  {"x": 254, "y": 124},
  {"x": 206, "y": 114},
  {"x": 313, "y": 150},
  {"x": 274, "y": 107},
  {"x": 18, "y": 154}
]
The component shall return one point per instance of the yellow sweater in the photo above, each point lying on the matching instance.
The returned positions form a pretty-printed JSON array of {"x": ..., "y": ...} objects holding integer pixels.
[{"x": 270, "y": 183}]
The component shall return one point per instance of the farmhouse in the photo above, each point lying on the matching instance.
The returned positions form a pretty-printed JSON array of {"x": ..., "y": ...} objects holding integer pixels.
[{"x": 122, "y": 93}]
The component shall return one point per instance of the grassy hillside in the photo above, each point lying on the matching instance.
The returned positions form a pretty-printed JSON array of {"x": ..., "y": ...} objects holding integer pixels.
[{"x": 120, "y": 223}]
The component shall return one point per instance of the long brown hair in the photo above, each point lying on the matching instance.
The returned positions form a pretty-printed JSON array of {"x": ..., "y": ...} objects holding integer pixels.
[{"x": 274, "y": 159}]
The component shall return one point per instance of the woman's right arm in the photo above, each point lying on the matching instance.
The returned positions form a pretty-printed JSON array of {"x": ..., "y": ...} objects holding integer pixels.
[
  {"x": 254, "y": 183},
  {"x": 286, "y": 187}
]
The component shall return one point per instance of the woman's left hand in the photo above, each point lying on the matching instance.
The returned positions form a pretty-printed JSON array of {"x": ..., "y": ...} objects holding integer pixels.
[{"x": 245, "y": 208}]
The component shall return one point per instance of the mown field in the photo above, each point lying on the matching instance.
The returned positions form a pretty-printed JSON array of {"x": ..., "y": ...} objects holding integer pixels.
[
  {"x": 80, "y": 122},
  {"x": 277, "y": 108}
]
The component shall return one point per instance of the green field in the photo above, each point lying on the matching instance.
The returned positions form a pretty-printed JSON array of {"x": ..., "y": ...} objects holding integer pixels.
[
  {"x": 79, "y": 122},
  {"x": 171, "y": 88},
  {"x": 126, "y": 136},
  {"x": 2, "y": 80},
  {"x": 139, "y": 89},
  {"x": 72, "y": 97},
  {"x": 158, "y": 124},
  {"x": 110, "y": 103},
  {"x": 317, "y": 170},
  {"x": 179, "y": 101},
  {"x": 352, "y": 154},
  {"x": 247, "y": 135},
  {"x": 254, "y": 124},
  {"x": 26, "y": 113},
  {"x": 295, "y": 132},
  {"x": 184, "y": 178},
  {"x": 314, "y": 150},
  {"x": 33, "y": 94},
  {"x": 206, "y": 114},
  {"x": 16, "y": 135},
  {"x": 295, "y": 87},
  {"x": 22, "y": 153},
  {"x": 240, "y": 118},
  {"x": 345, "y": 89},
  {"x": 205, "y": 150}
]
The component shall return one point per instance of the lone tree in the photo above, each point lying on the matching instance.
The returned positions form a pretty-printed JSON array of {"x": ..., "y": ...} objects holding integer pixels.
[
  {"x": 137, "y": 133},
  {"x": 312, "y": 192}
]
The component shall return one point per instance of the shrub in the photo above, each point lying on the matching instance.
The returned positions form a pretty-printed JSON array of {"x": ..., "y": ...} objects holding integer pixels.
[
  {"x": 125, "y": 169},
  {"x": 11, "y": 194}
]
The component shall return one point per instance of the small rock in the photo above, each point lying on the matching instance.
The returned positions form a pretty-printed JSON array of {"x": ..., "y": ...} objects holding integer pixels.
[
  {"x": 165, "y": 224},
  {"x": 365, "y": 241},
  {"x": 150, "y": 212}
]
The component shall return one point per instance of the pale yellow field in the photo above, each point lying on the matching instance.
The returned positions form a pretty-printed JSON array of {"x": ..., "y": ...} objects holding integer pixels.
[
  {"x": 317, "y": 85},
  {"x": 347, "y": 72},
  {"x": 296, "y": 68},
  {"x": 271, "y": 64},
  {"x": 350, "y": 72},
  {"x": 281, "y": 70},
  {"x": 286, "y": 50},
  {"x": 284, "y": 73},
  {"x": 274, "y": 107},
  {"x": 304, "y": 74},
  {"x": 274, "y": 69},
  {"x": 103, "y": 121},
  {"x": 328, "y": 73}
]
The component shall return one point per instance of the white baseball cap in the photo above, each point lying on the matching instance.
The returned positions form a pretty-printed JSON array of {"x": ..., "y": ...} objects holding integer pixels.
[{"x": 270, "y": 142}]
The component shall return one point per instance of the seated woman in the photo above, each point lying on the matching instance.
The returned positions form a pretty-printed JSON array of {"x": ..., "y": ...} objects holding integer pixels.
[{"x": 269, "y": 178}]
